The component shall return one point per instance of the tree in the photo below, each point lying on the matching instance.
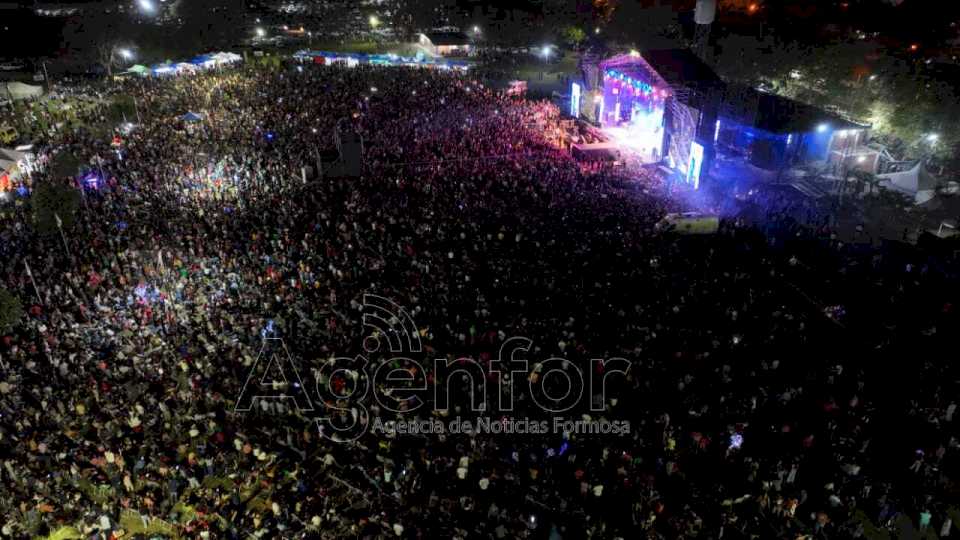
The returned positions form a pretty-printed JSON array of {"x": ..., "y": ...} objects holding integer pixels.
[
  {"x": 414, "y": 15},
  {"x": 64, "y": 165},
  {"x": 11, "y": 310},
  {"x": 93, "y": 39},
  {"x": 574, "y": 36},
  {"x": 107, "y": 55},
  {"x": 52, "y": 201},
  {"x": 121, "y": 108},
  {"x": 603, "y": 9},
  {"x": 207, "y": 25},
  {"x": 648, "y": 26}
]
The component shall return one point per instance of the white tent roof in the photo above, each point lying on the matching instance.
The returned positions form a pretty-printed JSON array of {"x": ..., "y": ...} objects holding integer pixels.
[
  {"x": 19, "y": 90},
  {"x": 225, "y": 57},
  {"x": 910, "y": 180},
  {"x": 11, "y": 155},
  {"x": 914, "y": 181}
]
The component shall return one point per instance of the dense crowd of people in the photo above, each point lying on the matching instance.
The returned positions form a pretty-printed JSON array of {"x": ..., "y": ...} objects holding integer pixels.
[{"x": 782, "y": 384}]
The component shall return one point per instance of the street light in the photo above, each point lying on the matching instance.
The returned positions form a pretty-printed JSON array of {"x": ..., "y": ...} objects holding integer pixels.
[
  {"x": 126, "y": 54},
  {"x": 146, "y": 5},
  {"x": 261, "y": 32},
  {"x": 933, "y": 137},
  {"x": 374, "y": 21},
  {"x": 546, "y": 52}
]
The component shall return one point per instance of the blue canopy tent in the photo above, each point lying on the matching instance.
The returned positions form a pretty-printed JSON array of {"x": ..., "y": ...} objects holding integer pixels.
[
  {"x": 191, "y": 117},
  {"x": 389, "y": 59},
  {"x": 202, "y": 59},
  {"x": 163, "y": 69}
]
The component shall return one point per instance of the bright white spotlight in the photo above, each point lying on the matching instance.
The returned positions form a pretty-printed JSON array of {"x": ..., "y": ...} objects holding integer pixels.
[
  {"x": 146, "y": 5},
  {"x": 933, "y": 137},
  {"x": 127, "y": 54},
  {"x": 822, "y": 128}
]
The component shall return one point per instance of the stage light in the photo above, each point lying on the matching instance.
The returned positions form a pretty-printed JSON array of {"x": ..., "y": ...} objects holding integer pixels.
[
  {"x": 933, "y": 137},
  {"x": 822, "y": 128},
  {"x": 861, "y": 159}
]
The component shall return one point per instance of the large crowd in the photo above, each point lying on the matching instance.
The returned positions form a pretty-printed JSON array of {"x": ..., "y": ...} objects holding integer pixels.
[{"x": 782, "y": 383}]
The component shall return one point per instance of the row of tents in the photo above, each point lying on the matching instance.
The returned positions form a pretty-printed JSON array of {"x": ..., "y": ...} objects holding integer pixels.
[
  {"x": 355, "y": 59},
  {"x": 204, "y": 61}
]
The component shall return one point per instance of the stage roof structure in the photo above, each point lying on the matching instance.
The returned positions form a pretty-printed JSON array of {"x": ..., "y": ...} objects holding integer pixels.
[
  {"x": 448, "y": 38},
  {"x": 690, "y": 80},
  {"x": 635, "y": 67},
  {"x": 779, "y": 115},
  {"x": 680, "y": 67}
]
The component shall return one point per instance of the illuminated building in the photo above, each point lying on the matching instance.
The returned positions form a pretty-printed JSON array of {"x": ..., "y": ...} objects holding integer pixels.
[{"x": 775, "y": 132}]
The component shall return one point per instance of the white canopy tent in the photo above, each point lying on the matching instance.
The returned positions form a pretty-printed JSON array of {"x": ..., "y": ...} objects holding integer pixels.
[
  {"x": 13, "y": 156},
  {"x": 912, "y": 180},
  {"x": 18, "y": 91}
]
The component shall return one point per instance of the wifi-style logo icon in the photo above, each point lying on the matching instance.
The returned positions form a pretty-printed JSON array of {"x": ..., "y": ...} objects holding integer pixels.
[{"x": 391, "y": 323}]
